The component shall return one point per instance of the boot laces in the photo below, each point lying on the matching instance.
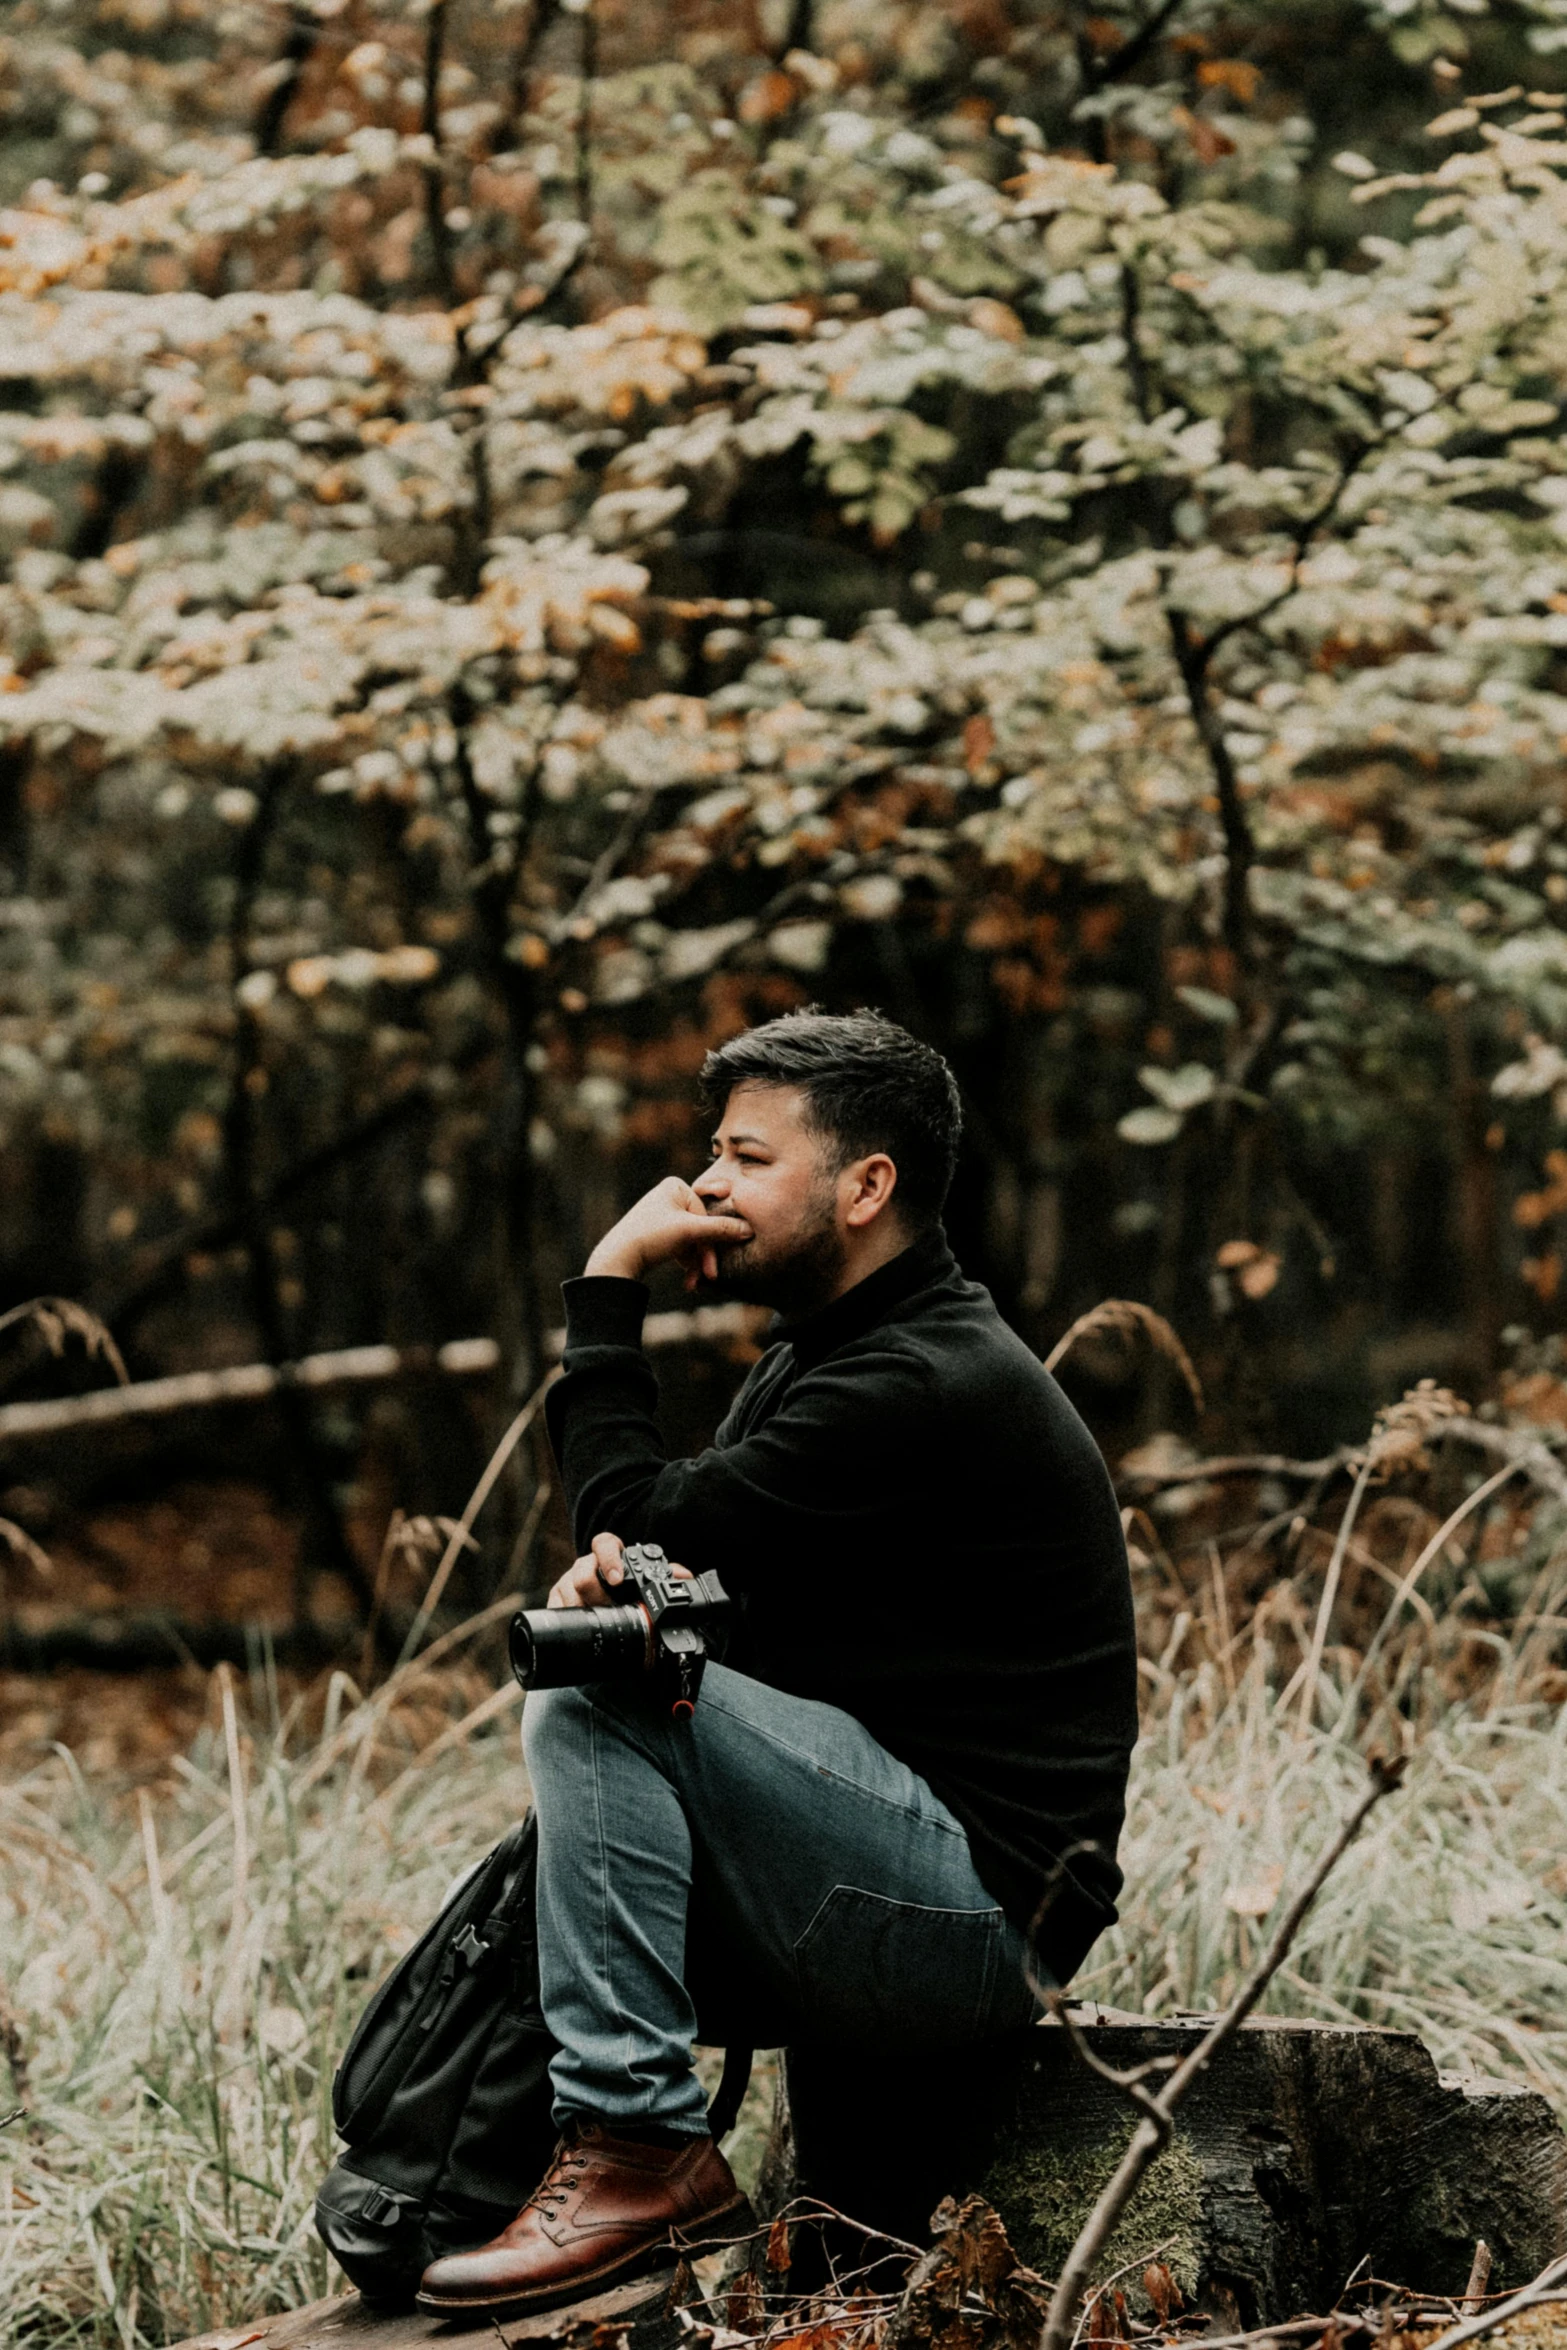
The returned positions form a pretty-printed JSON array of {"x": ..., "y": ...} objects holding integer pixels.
[{"x": 561, "y": 2178}]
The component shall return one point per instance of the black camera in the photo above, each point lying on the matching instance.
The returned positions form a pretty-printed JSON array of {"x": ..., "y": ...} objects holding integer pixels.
[{"x": 664, "y": 1632}]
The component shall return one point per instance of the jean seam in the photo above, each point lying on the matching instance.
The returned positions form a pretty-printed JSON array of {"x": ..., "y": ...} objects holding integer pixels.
[
  {"x": 603, "y": 1875},
  {"x": 907, "y": 1811},
  {"x": 743, "y": 1721},
  {"x": 988, "y": 1978}
]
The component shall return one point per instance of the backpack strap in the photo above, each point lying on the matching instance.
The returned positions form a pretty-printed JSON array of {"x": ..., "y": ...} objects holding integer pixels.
[{"x": 724, "y": 2111}]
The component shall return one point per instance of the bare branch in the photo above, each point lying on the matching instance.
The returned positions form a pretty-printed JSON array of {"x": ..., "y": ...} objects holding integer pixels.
[
  {"x": 284, "y": 77},
  {"x": 1153, "y": 2130},
  {"x": 435, "y": 169},
  {"x": 1235, "y": 1464},
  {"x": 1526, "y": 1453},
  {"x": 1097, "y": 75},
  {"x": 1193, "y": 656}
]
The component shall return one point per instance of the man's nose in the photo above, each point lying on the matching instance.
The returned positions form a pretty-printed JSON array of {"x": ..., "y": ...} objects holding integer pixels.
[{"x": 712, "y": 1183}]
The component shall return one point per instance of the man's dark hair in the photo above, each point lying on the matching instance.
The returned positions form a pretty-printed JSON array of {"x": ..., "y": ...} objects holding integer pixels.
[{"x": 869, "y": 1086}]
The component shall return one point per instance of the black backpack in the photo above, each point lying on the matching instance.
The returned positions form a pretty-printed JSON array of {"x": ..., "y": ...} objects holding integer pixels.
[{"x": 443, "y": 2095}]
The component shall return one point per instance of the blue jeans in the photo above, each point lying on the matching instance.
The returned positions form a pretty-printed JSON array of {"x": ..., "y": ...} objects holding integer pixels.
[{"x": 762, "y": 1872}]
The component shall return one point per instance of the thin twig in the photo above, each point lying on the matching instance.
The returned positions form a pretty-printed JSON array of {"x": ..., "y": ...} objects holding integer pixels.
[
  {"x": 1154, "y": 2130},
  {"x": 1479, "y": 2278},
  {"x": 1132, "y": 51},
  {"x": 1545, "y": 2287},
  {"x": 284, "y": 78},
  {"x": 435, "y": 168},
  {"x": 1527, "y": 1453},
  {"x": 1139, "y": 2260}
]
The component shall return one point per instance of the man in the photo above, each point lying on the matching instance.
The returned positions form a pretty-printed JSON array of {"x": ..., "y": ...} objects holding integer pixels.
[{"x": 918, "y": 1742}]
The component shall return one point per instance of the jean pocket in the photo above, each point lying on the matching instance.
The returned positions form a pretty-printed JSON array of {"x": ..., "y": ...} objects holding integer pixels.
[{"x": 871, "y": 1969}]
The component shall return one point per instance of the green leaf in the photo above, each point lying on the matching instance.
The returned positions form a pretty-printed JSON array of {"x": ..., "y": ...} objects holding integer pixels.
[
  {"x": 1209, "y": 1006},
  {"x": 1149, "y": 1125},
  {"x": 1186, "y": 1088}
]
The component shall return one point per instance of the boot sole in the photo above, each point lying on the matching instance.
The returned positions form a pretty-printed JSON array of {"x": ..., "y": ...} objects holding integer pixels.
[{"x": 715, "y": 2229}]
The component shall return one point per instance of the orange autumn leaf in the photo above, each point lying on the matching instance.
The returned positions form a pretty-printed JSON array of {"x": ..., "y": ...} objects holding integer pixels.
[
  {"x": 1261, "y": 1276},
  {"x": 1207, "y": 140},
  {"x": 979, "y": 740},
  {"x": 768, "y": 97},
  {"x": 998, "y": 319},
  {"x": 1233, "y": 74},
  {"x": 1533, "y": 1208},
  {"x": 1543, "y": 1274}
]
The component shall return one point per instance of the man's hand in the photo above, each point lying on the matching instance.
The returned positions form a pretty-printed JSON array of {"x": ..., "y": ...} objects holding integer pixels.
[
  {"x": 591, "y": 1581},
  {"x": 595, "y": 1581},
  {"x": 669, "y": 1224}
]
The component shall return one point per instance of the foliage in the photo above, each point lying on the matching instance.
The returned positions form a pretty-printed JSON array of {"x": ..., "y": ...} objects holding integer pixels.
[{"x": 535, "y": 536}]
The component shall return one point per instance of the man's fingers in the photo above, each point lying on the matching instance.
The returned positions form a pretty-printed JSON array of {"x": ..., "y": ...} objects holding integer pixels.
[
  {"x": 608, "y": 1557},
  {"x": 582, "y": 1585}
]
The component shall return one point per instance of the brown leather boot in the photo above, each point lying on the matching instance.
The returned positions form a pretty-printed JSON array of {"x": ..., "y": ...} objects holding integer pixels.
[{"x": 606, "y": 2210}]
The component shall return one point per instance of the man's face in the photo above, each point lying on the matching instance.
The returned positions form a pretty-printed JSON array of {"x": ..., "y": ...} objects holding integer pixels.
[{"x": 773, "y": 1171}]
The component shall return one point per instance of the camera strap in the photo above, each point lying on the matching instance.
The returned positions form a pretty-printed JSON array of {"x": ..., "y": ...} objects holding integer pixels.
[{"x": 735, "y": 2079}]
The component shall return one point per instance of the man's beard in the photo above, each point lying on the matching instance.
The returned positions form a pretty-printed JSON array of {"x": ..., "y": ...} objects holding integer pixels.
[{"x": 794, "y": 1277}]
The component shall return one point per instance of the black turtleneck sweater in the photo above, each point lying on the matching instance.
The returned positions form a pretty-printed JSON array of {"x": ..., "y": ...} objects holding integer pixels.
[{"x": 920, "y": 1530}]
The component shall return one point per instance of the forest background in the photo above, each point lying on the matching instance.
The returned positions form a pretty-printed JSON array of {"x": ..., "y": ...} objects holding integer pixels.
[{"x": 538, "y": 534}]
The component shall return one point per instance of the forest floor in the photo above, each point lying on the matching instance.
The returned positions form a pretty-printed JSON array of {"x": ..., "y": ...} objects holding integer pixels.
[{"x": 206, "y": 1873}]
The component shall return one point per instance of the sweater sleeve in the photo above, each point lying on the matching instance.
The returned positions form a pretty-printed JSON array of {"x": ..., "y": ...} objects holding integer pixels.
[{"x": 838, "y": 1448}]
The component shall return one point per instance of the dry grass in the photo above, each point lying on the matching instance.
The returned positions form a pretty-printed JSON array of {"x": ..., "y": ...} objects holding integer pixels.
[{"x": 182, "y": 1971}]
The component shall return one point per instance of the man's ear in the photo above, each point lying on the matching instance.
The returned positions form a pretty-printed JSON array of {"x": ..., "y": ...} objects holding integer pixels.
[{"x": 872, "y": 1183}]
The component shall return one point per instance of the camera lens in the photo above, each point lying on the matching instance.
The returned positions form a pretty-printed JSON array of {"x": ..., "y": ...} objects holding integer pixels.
[{"x": 564, "y": 1647}]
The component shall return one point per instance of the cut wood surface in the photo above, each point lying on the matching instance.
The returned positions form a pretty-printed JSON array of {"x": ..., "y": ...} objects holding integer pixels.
[{"x": 1308, "y": 2151}]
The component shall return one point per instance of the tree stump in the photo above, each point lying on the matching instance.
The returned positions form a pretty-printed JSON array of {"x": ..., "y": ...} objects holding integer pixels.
[{"x": 1306, "y": 2154}]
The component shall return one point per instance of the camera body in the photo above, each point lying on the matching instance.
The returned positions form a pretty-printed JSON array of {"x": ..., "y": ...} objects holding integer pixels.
[{"x": 662, "y": 1634}]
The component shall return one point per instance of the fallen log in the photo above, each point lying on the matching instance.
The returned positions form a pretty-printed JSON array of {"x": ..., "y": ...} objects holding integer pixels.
[
  {"x": 1306, "y": 2153},
  {"x": 354, "y": 1366},
  {"x": 150, "y": 1640},
  {"x": 641, "y": 2314}
]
